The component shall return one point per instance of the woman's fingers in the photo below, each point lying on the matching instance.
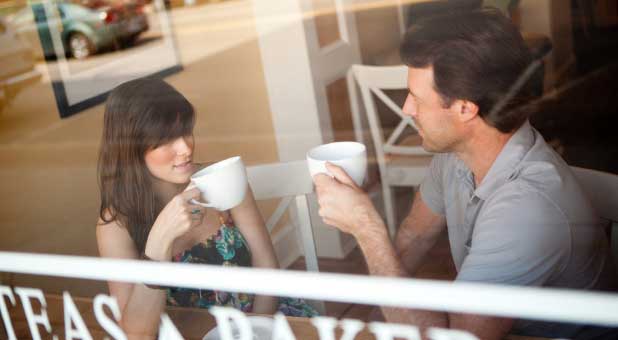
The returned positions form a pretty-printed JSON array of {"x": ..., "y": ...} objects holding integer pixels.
[
  {"x": 190, "y": 193},
  {"x": 189, "y": 214},
  {"x": 190, "y": 186},
  {"x": 196, "y": 214}
]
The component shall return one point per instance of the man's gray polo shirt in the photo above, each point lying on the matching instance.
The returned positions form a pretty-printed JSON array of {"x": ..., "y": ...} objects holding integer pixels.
[{"x": 528, "y": 223}]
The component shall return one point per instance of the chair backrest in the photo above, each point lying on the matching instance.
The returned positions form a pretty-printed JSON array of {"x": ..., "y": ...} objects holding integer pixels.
[
  {"x": 602, "y": 190},
  {"x": 291, "y": 182},
  {"x": 372, "y": 80},
  {"x": 280, "y": 179}
]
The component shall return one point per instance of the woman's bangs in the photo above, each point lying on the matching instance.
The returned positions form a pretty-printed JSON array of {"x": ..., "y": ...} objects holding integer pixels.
[
  {"x": 182, "y": 126},
  {"x": 169, "y": 127}
]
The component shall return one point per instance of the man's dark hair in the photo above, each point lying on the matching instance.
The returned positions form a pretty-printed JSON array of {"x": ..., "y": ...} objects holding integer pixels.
[{"x": 476, "y": 55}]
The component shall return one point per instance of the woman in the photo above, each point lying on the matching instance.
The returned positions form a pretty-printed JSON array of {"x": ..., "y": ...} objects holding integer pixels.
[{"x": 145, "y": 164}]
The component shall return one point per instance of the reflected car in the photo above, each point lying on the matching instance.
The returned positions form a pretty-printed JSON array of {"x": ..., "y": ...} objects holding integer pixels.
[
  {"x": 124, "y": 10},
  {"x": 83, "y": 31},
  {"x": 17, "y": 60}
]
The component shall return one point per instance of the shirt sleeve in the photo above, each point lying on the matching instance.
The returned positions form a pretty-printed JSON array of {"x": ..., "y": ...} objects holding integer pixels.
[
  {"x": 520, "y": 239},
  {"x": 431, "y": 187}
]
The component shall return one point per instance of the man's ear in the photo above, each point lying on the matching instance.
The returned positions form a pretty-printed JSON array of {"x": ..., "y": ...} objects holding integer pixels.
[{"x": 465, "y": 109}]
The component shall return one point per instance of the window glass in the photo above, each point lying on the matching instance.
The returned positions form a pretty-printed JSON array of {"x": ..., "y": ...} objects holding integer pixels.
[
  {"x": 496, "y": 129},
  {"x": 39, "y": 13},
  {"x": 73, "y": 11}
]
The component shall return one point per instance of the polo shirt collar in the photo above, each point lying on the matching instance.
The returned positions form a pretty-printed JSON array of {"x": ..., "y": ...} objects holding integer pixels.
[{"x": 506, "y": 166}]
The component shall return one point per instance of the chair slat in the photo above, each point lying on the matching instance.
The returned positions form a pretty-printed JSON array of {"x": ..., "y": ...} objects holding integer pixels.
[
  {"x": 394, "y": 137},
  {"x": 292, "y": 178},
  {"x": 406, "y": 150},
  {"x": 384, "y": 77},
  {"x": 389, "y": 102},
  {"x": 276, "y": 216}
]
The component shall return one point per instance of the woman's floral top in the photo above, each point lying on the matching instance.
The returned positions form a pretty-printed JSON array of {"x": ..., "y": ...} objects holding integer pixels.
[{"x": 227, "y": 248}]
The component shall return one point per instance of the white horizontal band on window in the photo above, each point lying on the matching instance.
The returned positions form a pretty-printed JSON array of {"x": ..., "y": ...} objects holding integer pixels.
[{"x": 527, "y": 302}]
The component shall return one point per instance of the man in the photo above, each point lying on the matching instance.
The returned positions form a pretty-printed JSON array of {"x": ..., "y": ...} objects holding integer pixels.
[{"x": 513, "y": 210}]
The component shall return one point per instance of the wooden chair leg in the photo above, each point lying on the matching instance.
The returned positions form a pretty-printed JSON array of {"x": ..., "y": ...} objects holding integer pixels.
[{"x": 311, "y": 257}]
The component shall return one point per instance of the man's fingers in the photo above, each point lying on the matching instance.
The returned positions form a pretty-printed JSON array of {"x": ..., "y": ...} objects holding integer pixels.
[
  {"x": 322, "y": 179},
  {"x": 340, "y": 174}
]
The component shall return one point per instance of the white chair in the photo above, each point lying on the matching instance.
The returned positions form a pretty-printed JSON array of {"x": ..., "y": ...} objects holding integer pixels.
[
  {"x": 401, "y": 160},
  {"x": 602, "y": 190},
  {"x": 291, "y": 182}
]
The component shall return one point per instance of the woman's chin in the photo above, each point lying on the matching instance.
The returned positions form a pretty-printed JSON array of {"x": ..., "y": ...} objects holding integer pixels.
[
  {"x": 185, "y": 180},
  {"x": 177, "y": 179}
]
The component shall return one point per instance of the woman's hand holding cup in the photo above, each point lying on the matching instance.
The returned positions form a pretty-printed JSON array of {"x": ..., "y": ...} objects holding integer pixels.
[{"x": 175, "y": 220}]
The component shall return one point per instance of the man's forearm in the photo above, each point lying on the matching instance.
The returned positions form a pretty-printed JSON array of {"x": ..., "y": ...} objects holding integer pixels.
[
  {"x": 382, "y": 260},
  {"x": 415, "y": 238},
  {"x": 381, "y": 257},
  {"x": 417, "y": 235},
  {"x": 411, "y": 248},
  {"x": 420, "y": 318}
]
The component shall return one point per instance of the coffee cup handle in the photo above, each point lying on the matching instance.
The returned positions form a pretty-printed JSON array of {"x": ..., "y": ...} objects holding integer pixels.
[
  {"x": 193, "y": 200},
  {"x": 205, "y": 205}
]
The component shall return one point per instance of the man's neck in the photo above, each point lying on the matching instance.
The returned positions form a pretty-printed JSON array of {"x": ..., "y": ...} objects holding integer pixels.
[{"x": 480, "y": 151}]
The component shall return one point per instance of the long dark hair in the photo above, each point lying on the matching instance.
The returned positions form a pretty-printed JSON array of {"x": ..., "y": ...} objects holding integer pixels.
[
  {"x": 139, "y": 115},
  {"x": 476, "y": 55}
]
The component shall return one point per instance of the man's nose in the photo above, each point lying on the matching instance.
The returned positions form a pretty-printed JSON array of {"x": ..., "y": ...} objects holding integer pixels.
[{"x": 409, "y": 106}]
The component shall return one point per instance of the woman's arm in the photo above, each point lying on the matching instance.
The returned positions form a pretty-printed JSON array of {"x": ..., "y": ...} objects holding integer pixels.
[
  {"x": 248, "y": 219},
  {"x": 140, "y": 306}
]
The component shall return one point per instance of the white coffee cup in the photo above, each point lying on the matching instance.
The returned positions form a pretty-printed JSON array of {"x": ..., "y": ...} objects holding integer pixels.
[
  {"x": 223, "y": 184},
  {"x": 351, "y": 156}
]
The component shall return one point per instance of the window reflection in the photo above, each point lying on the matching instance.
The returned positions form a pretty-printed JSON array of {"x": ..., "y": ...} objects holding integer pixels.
[{"x": 258, "y": 91}]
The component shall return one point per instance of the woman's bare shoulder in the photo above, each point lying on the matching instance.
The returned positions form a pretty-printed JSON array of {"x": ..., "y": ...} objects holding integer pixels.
[
  {"x": 113, "y": 238},
  {"x": 108, "y": 220}
]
